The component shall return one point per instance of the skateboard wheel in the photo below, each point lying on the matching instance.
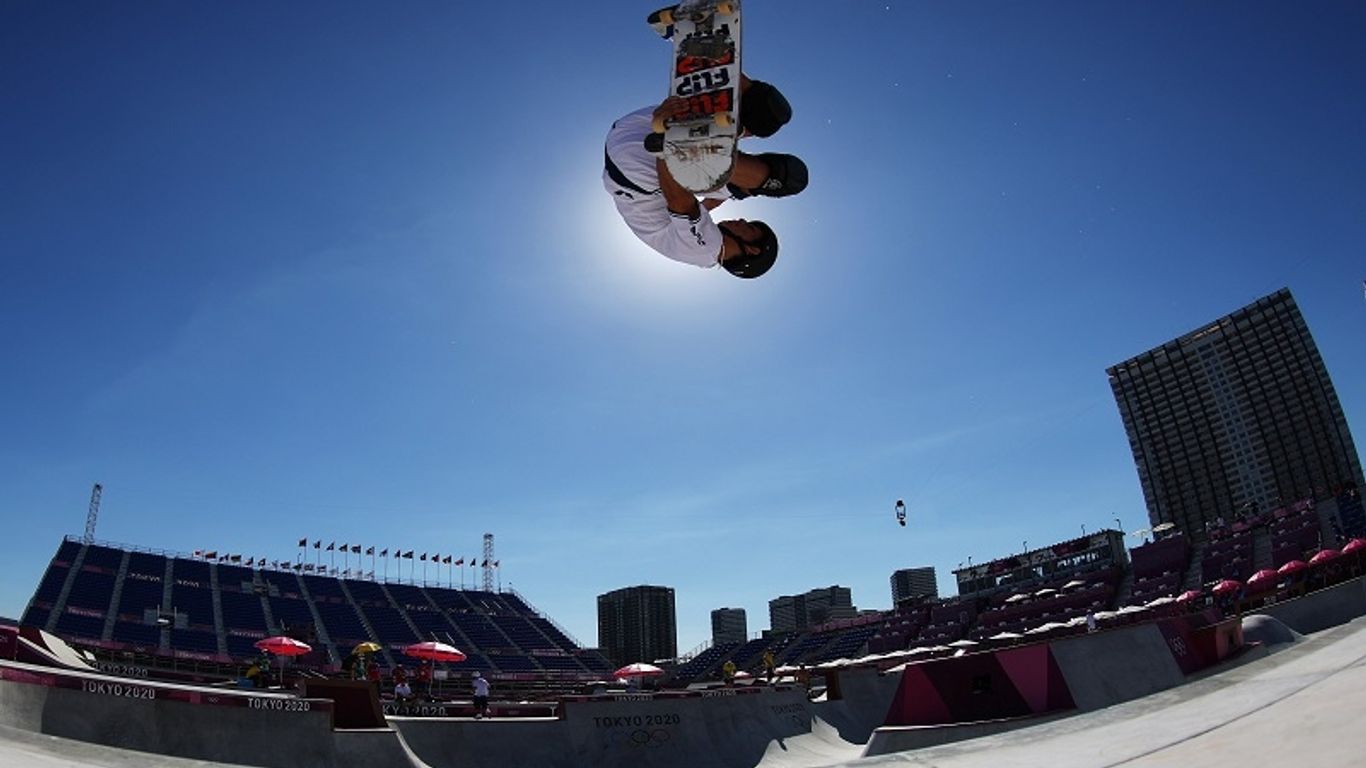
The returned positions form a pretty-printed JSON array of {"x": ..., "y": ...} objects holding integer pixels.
[
  {"x": 725, "y": 9},
  {"x": 657, "y": 125},
  {"x": 722, "y": 119},
  {"x": 664, "y": 16}
]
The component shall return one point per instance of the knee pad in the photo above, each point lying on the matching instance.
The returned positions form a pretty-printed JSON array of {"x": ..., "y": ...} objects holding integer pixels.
[
  {"x": 763, "y": 109},
  {"x": 786, "y": 175}
]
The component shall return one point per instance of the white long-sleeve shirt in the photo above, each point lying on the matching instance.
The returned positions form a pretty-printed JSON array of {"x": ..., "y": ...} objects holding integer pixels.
[{"x": 641, "y": 204}]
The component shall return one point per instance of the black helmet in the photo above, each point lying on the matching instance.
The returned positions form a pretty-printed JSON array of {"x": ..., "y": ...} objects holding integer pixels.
[
  {"x": 750, "y": 265},
  {"x": 763, "y": 109}
]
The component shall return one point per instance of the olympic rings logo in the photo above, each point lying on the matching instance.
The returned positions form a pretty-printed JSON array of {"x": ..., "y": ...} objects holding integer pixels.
[{"x": 647, "y": 738}]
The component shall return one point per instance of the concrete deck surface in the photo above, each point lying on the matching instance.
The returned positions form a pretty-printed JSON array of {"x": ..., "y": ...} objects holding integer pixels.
[{"x": 1300, "y": 705}]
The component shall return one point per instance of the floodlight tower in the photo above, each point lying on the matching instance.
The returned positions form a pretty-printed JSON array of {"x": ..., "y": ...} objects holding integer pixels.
[
  {"x": 488, "y": 562},
  {"x": 93, "y": 514}
]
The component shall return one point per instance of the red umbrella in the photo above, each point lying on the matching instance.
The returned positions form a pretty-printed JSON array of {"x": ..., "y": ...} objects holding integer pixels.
[
  {"x": 1263, "y": 579},
  {"x": 1293, "y": 566},
  {"x": 1227, "y": 585},
  {"x": 434, "y": 651},
  {"x": 639, "y": 669},
  {"x": 1353, "y": 546},
  {"x": 283, "y": 646},
  {"x": 1323, "y": 556},
  {"x": 1189, "y": 595}
]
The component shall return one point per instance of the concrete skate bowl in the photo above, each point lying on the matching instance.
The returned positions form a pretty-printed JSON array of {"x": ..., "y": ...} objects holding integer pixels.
[
  {"x": 977, "y": 694},
  {"x": 729, "y": 728},
  {"x": 270, "y": 730}
]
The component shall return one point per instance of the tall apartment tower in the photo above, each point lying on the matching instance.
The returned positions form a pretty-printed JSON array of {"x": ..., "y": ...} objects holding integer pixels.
[
  {"x": 791, "y": 613},
  {"x": 637, "y": 624},
  {"x": 914, "y": 584},
  {"x": 728, "y": 625},
  {"x": 1237, "y": 416}
]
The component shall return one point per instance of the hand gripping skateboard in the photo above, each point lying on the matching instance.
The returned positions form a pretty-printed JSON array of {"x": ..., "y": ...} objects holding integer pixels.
[{"x": 699, "y": 146}]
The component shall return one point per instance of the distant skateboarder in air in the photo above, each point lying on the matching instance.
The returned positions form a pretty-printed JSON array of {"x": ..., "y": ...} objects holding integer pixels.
[{"x": 671, "y": 220}]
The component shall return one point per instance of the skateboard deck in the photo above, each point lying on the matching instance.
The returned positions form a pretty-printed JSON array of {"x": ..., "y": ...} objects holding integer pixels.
[{"x": 699, "y": 147}]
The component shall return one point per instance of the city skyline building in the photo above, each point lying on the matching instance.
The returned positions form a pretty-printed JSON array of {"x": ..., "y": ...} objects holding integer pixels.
[
  {"x": 637, "y": 624},
  {"x": 1236, "y": 417},
  {"x": 793, "y": 613},
  {"x": 729, "y": 625},
  {"x": 914, "y": 584}
]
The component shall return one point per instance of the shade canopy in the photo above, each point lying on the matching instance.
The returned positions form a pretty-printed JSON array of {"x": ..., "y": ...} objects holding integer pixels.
[
  {"x": 283, "y": 646},
  {"x": 1226, "y": 586},
  {"x": 434, "y": 651},
  {"x": 1189, "y": 595},
  {"x": 1324, "y": 555},
  {"x": 1263, "y": 579},
  {"x": 639, "y": 669},
  {"x": 1293, "y": 566},
  {"x": 1355, "y": 545}
]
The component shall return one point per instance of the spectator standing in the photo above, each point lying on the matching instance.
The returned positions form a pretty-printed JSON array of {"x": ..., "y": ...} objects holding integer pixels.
[
  {"x": 769, "y": 665},
  {"x": 402, "y": 691},
  {"x": 1090, "y": 621},
  {"x": 424, "y": 679},
  {"x": 481, "y": 696},
  {"x": 728, "y": 672}
]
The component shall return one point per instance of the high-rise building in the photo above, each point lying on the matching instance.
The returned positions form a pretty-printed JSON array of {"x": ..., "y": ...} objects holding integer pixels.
[
  {"x": 916, "y": 584},
  {"x": 637, "y": 624},
  {"x": 1235, "y": 417},
  {"x": 791, "y": 613},
  {"x": 728, "y": 625}
]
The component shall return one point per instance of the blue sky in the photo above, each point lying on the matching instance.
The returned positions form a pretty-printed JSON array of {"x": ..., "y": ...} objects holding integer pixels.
[{"x": 347, "y": 271}]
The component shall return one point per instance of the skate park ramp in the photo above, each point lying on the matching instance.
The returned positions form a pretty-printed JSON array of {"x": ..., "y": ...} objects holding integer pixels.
[
  {"x": 1298, "y": 704},
  {"x": 272, "y": 730},
  {"x": 1269, "y": 632},
  {"x": 726, "y": 728}
]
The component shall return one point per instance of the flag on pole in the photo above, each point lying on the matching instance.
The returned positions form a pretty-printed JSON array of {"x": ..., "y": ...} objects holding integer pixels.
[
  {"x": 370, "y": 551},
  {"x": 355, "y": 549},
  {"x": 331, "y": 546},
  {"x": 318, "y": 544},
  {"x": 303, "y": 542}
]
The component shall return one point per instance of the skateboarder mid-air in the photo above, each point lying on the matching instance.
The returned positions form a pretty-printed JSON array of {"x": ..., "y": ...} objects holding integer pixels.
[{"x": 670, "y": 219}]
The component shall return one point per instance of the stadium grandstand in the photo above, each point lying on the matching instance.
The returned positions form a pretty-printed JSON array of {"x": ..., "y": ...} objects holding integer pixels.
[
  {"x": 171, "y": 613},
  {"x": 176, "y": 613}
]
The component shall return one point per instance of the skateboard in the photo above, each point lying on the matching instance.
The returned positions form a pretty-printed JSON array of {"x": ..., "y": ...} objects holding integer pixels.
[{"x": 699, "y": 147}]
